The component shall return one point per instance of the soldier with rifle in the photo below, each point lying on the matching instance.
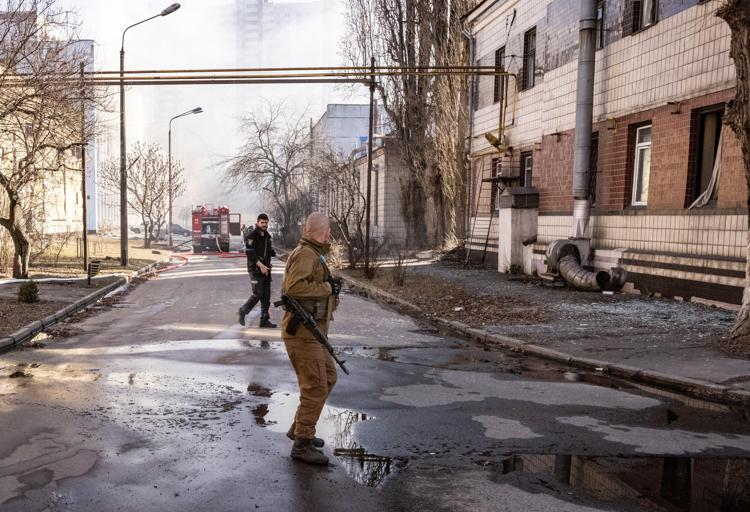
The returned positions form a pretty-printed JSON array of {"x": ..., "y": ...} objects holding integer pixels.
[{"x": 308, "y": 284}]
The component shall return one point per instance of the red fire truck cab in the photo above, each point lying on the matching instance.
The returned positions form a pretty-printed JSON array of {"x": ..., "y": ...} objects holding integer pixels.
[{"x": 212, "y": 227}]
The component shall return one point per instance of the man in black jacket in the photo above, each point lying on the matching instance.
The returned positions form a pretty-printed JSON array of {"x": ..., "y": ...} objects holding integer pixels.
[{"x": 259, "y": 252}]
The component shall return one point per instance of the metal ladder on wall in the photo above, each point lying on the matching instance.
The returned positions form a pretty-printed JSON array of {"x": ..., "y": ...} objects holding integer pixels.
[{"x": 493, "y": 180}]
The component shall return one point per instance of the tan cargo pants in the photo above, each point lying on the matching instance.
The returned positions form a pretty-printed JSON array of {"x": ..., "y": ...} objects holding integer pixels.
[{"x": 316, "y": 375}]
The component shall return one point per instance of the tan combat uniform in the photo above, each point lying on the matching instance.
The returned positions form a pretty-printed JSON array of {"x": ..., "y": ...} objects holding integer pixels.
[{"x": 305, "y": 280}]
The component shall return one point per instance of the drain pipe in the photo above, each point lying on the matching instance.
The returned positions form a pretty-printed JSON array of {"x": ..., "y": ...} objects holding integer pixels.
[
  {"x": 568, "y": 257},
  {"x": 584, "y": 114},
  {"x": 467, "y": 161}
]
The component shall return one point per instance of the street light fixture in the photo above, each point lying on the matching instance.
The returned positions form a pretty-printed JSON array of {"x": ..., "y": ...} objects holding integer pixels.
[
  {"x": 196, "y": 110},
  {"x": 123, "y": 174}
]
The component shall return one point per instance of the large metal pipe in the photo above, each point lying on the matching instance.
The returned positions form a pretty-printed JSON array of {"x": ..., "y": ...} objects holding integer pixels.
[
  {"x": 581, "y": 278},
  {"x": 584, "y": 114}
]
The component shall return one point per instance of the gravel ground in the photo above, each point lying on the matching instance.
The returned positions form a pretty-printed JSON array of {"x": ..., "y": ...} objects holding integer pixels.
[{"x": 525, "y": 308}]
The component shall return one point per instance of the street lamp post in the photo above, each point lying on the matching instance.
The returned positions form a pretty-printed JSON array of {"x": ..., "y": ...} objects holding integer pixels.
[
  {"x": 123, "y": 175},
  {"x": 196, "y": 110}
]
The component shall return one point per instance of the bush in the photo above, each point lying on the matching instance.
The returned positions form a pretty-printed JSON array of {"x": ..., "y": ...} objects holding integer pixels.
[
  {"x": 400, "y": 268},
  {"x": 28, "y": 292}
]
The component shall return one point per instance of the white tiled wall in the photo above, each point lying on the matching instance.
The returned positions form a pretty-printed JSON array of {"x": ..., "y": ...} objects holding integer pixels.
[
  {"x": 699, "y": 235},
  {"x": 680, "y": 57}
]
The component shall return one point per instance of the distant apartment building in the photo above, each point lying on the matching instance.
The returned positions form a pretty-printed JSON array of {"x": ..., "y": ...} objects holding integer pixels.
[
  {"x": 667, "y": 187},
  {"x": 388, "y": 168},
  {"x": 258, "y": 23},
  {"x": 343, "y": 129}
]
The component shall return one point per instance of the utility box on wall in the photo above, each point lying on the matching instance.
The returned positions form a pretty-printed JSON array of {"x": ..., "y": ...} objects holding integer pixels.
[{"x": 519, "y": 211}]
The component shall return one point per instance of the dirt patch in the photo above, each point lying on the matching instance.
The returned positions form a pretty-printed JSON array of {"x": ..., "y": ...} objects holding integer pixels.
[
  {"x": 443, "y": 300},
  {"x": 72, "y": 267},
  {"x": 258, "y": 390},
  {"x": 16, "y": 315}
]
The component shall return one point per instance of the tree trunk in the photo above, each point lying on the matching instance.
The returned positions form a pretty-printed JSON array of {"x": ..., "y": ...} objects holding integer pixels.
[
  {"x": 22, "y": 245},
  {"x": 21, "y": 242},
  {"x": 736, "y": 13}
]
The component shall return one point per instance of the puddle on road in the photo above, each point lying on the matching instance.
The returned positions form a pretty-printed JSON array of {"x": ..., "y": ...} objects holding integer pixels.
[
  {"x": 336, "y": 426},
  {"x": 655, "y": 483}
]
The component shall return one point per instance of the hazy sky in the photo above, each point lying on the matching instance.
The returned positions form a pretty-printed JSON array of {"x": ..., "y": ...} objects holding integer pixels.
[{"x": 203, "y": 34}]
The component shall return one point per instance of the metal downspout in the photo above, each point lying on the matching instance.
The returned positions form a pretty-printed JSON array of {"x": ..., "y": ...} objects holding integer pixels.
[
  {"x": 584, "y": 114},
  {"x": 467, "y": 161}
]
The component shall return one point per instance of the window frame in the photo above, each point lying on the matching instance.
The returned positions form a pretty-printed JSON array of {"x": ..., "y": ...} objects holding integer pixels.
[
  {"x": 524, "y": 180},
  {"x": 696, "y": 148},
  {"x": 638, "y": 146},
  {"x": 494, "y": 195},
  {"x": 498, "y": 90},
  {"x": 528, "y": 79},
  {"x": 601, "y": 6},
  {"x": 594, "y": 171},
  {"x": 639, "y": 10},
  {"x": 376, "y": 183}
]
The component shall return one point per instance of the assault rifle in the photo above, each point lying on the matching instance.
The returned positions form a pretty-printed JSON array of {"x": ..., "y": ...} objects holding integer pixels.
[{"x": 300, "y": 316}]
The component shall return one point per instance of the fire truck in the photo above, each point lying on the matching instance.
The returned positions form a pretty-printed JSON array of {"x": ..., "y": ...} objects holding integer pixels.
[{"x": 212, "y": 227}]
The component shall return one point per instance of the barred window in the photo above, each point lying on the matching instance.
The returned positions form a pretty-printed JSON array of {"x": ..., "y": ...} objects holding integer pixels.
[
  {"x": 499, "y": 66},
  {"x": 529, "y": 59}
]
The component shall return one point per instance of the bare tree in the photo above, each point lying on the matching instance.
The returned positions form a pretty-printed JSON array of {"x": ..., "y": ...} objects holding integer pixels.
[
  {"x": 41, "y": 106},
  {"x": 272, "y": 161},
  {"x": 736, "y": 13},
  {"x": 341, "y": 183},
  {"x": 148, "y": 185},
  {"x": 427, "y": 111}
]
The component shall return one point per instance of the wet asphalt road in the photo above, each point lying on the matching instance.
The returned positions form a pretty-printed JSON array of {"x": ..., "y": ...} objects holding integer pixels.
[{"x": 163, "y": 402}]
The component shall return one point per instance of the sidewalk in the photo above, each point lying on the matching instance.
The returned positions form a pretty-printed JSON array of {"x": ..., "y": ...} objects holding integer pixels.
[{"x": 661, "y": 342}]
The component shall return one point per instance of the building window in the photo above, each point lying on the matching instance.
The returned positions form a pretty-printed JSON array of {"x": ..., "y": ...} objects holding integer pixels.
[
  {"x": 529, "y": 59},
  {"x": 707, "y": 129},
  {"x": 376, "y": 189},
  {"x": 594, "y": 167},
  {"x": 600, "y": 16},
  {"x": 499, "y": 66},
  {"x": 642, "y": 165},
  {"x": 527, "y": 164},
  {"x": 494, "y": 172},
  {"x": 644, "y": 14}
]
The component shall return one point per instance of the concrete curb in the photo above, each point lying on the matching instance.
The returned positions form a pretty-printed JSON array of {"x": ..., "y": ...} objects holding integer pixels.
[
  {"x": 700, "y": 389},
  {"x": 30, "y": 330}
]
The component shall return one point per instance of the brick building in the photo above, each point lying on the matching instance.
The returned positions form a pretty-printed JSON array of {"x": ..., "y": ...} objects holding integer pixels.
[{"x": 668, "y": 192}]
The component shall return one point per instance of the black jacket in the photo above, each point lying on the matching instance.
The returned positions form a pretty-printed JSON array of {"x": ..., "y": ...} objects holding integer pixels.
[{"x": 258, "y": 248}]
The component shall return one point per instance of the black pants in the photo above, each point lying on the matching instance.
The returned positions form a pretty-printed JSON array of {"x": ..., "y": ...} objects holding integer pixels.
[{"x": 261, "y": 286}]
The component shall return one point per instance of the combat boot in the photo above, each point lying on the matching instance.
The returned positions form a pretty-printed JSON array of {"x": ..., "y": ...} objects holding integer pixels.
[
  {"x": 316, "y": 441},
  {"x": 266, "y": 324},
  {"x": 304, "y": 451}
]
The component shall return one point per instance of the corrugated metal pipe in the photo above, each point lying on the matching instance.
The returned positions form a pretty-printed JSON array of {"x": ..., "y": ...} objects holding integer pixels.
[
  {"x": 564, "y": 257},
  {"x": 580, "y": 278}
]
